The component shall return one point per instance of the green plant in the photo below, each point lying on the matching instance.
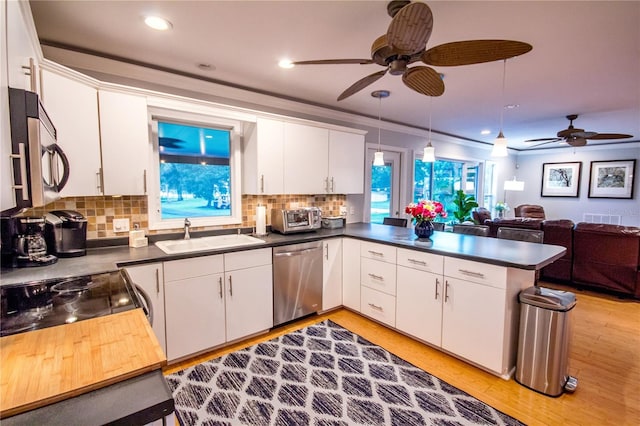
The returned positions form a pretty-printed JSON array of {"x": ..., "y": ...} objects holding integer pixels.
[{"x": 464, "y": 205}]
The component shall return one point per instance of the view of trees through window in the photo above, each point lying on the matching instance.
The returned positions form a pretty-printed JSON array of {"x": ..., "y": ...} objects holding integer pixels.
[
  {"x": 380, "y": 192},
  {"x": 440, "y": 180},
  {"x": 195, "y": 174}
]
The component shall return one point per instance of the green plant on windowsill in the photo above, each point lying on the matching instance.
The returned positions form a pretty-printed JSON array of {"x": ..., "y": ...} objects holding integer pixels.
[{"x": 464, "y": 205}]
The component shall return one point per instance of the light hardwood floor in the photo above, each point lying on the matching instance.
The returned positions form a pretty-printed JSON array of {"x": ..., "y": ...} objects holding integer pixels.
[{"x": 605, "y": 357}]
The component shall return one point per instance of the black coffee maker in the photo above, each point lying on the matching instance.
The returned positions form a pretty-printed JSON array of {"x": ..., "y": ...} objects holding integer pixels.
[{"x": 23, "y": 243}]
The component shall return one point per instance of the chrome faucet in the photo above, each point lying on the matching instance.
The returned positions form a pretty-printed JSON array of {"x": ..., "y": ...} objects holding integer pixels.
[{"x": 187, "y": 224}]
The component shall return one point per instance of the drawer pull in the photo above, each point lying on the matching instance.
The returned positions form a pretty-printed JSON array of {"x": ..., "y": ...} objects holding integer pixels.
[
  {"x": 446, "y": 290},
  {"x": 418, "y": 262},
  {"x": 230, "y": 286},
  {"x": 376, "y": 253},
  {"x": 471, "y": 273},
  {"x": 376, "y": 307},
  {"x": 220, "y": 286},
  {"x": 376, "y": 277},
  {"x": 437, "y": 284}
]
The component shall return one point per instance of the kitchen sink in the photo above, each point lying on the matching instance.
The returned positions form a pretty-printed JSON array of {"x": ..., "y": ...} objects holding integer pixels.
[{"x": 207, "y": 243}]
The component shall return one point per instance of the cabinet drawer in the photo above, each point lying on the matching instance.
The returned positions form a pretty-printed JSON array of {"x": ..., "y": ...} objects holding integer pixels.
[
  {"x": 378, "y": 275},
  {"x": 379, "y": 306},
  {"x": 194, "y": 267},
  {"x": 247, "y": 259},
  {"x": 378, "y": 252},
  {"x": 491, "y": 275},
  {"x": 422, "y": 261}
]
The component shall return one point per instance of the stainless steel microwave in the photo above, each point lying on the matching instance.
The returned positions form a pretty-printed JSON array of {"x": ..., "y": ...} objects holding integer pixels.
[
  {"x": 40, "y": 167},
  {"x": 287, "y": 221}
]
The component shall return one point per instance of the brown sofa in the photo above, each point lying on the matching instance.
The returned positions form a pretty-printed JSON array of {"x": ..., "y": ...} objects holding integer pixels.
[
  {"x": 608, "y": 257},
  {"x": 514, "y": 222},
  {"x": 560, "y": 233}
]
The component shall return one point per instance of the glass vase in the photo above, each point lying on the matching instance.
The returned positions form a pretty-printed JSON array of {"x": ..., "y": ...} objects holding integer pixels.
[{"x": 424, "y": 230}]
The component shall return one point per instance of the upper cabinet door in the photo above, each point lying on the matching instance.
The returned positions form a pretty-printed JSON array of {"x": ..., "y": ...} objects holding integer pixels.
[
  {"x": 73, "y": 108},
  {"x": 346, "y": 163},
  {"x": 22, "y": 48},
  {"x": 262, "y": 157},
  {"x": 305, "y": 159},
  {"x": 124, "y": 132}
]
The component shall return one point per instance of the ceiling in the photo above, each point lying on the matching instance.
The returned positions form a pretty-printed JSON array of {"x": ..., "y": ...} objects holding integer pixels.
[{"x": 585, "y": 58}]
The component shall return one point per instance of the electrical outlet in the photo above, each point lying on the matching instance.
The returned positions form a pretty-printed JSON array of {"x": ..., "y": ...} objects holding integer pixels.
[
  {"x": 121, "y": 225},
  {"x": 343, "y": 210}
]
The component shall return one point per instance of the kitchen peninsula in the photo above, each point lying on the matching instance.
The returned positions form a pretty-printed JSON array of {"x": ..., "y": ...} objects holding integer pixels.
[{"x": 454, "y": 292}]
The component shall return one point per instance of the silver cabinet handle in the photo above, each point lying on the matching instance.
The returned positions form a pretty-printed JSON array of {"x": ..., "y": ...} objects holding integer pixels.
[
  {"x": 471, "y": 273},
  {"x": 418, "y": 262},
  {"x": 22, "y": 156},
  {"x": 446, "y": 290},
  {"x": 144, "y": 181},
  {"x": 375, "y": 253},
  {"x": 230, "y": 286},
  {"x": 332, "y": 184},
  {"x": 376, "y": 277},
  {"x": 376, "y": 307},
  {"x": 220, "y": 286},
  {"x": 157, "y": 281},
  {"x": 262, "y": 184},
  {"x": 326, "y": 251},
  {"x": 326, "y": 184},
  {"x": 437, "y": 284}
]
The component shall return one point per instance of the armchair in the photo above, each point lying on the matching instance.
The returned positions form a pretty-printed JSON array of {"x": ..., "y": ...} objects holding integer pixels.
[
  {"x": 480, "y": 215},
  {"x": 530, "y": 210}
]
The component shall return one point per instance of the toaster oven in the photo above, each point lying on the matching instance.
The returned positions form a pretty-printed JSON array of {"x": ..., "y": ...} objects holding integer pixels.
[{"x": 287, "y": 221}]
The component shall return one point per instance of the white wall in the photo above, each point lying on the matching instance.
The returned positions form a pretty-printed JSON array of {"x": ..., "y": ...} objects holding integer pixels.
[{"x": 530, "y": 171}]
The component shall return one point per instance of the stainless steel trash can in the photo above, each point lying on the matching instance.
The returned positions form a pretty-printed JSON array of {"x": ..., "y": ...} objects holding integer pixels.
[{"x": 543, "y": 343}]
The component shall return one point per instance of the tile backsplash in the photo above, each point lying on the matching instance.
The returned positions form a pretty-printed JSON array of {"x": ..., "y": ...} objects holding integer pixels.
[{"x": 100, "y": 211}]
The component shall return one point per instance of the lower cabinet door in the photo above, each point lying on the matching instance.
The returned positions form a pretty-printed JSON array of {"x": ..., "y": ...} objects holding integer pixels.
[
  {"x": 378, "y": 305},
  {"x": 331, "y": 274},
  {"x": 419, "y": 304},
  {"x": 473, "y": 321},
  {"x": 195, "y": 315},
  {"x": 249, "y": 301}
]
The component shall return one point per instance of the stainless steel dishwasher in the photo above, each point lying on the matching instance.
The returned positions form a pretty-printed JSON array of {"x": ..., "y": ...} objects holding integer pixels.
[{"x": 297, "y": 281}]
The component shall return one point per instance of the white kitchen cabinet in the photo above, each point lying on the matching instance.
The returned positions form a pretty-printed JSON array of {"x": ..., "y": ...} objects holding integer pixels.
[
  {"x": 378, "y": 305},
  {"x": 332, "y": 274},
  {"x": 22, "y": 46},
  {"x": 248, "y": 292},
  {"x": 351, "y": 273},
  {"x": 72, "y": 105},
  {"x": 378, "y": 282},
  {"x": 263, "y": 157},
  {"x": 150, "y": 279},
  {"x": 346, "y": 162},
  {"x": 7, "y": 194},
  {"x": 305, "y": 159},
  {"x": 124, "y": 135},
  {"x": 194, "y": 304}
]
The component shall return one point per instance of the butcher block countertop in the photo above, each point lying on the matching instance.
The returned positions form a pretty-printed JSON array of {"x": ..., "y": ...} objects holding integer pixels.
[{"x": 49, "y": 365}]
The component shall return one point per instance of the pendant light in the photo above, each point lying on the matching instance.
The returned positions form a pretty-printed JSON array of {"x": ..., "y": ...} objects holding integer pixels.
[
  {"x": 500, "y": 144},
  {"x": 429, "y": 155},
  {"x": 378, "y": 158}
]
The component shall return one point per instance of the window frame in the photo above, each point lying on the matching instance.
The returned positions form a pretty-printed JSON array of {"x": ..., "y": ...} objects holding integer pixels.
[{"x": 235, "y": 128}]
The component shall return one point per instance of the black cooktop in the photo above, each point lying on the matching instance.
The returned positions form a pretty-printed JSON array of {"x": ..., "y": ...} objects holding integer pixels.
[{"x": 41, "y": 304}]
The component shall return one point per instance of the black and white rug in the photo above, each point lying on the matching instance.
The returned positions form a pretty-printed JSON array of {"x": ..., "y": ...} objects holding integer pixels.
[{"x": 321, "y": 375}]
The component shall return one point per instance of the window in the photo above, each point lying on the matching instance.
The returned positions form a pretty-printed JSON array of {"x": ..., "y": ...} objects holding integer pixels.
[
  {"x": 440, "y": 180},
  {"x": 198, "y": 160}
]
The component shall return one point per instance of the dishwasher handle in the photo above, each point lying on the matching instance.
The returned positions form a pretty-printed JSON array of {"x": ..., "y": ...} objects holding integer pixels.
[{"x": 296, "y": 252}]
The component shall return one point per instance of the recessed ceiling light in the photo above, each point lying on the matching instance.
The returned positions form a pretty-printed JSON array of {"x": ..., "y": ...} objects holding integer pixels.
[
  {"x": 511, "y": 106},
  {"x": 485, "y": 132},
  {"x": 285, "y": 63},
  {"x": 157, "y": 23}
]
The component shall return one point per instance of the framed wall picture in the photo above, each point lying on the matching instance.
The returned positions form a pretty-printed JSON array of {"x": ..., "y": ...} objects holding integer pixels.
[
  {"x": 561, "y": 179},
  {"x": 612, "y": 179}
]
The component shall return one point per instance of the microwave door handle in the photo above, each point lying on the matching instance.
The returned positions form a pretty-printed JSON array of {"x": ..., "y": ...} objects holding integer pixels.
[{"x": 59, "y": 153}]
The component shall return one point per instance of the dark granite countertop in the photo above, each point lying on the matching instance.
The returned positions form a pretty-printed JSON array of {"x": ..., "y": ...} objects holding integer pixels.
[{"x": 482, "y": 249}]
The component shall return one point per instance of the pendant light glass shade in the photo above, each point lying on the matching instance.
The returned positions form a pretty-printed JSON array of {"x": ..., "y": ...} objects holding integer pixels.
[
  {"x": 500, "y": 146},
  {"x": 429, "y": 155},
  {"x": 378, "y": 158}
]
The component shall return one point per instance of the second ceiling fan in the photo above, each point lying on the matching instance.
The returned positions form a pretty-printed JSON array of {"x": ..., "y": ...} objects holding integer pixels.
[
  {"x": 405, "y": 43},
  {"x": 577, "y": 137}
]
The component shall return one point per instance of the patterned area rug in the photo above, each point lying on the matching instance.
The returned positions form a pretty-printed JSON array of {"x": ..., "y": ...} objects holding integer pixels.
[{"x": 321, "y": 375}]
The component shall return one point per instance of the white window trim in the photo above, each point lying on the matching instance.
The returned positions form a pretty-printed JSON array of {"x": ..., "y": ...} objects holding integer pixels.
[{"x": 235, "y": 161}]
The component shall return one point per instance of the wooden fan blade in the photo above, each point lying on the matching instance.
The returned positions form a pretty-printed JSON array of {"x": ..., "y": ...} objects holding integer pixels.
[
  {"x": 576, "y": 141},
  {"x": 609, "y": 136},
  {"x": 334, "y": 62},
  {"x": 424, "y": 80},
  {"x": 473, "y": 52},
  {"x": 544, "y": 140},
  {"x": 361, "y": 84},
  {"x": 410, "y": 29}
]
